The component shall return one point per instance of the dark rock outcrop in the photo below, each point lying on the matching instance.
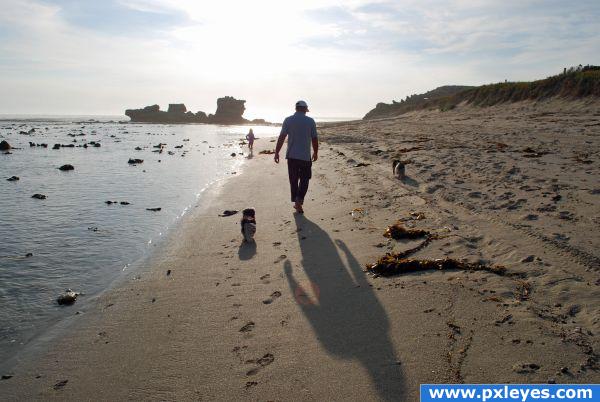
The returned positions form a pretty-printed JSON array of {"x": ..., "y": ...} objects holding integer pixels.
[
  {"x": 67, "y": 298},
  {"x": 229, "y": 111},
  {"x": 4, "y": 146},
  {"x": 177, "y": 113},
  {"x": 135, "y": 161},
  {"x": 66, "y": 167},
  {"x": 177, "y": 108},
  {"x": 39, "y": 196}
]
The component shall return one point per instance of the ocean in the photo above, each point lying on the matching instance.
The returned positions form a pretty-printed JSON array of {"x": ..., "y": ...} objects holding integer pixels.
[{"x": 73, "y": 238}]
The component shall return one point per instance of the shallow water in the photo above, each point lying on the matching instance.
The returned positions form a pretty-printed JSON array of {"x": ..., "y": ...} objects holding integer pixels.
[{"x": 77, "y": 240}]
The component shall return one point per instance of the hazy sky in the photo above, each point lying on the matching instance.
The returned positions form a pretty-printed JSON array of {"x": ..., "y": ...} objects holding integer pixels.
[{"x": 342, "y": 57}]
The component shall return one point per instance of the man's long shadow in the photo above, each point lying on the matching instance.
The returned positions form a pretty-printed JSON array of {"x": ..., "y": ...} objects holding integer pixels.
[{"x": 347, "y": 317}]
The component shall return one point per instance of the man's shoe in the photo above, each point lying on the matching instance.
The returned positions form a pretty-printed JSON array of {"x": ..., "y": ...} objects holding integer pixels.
[{"x": 298, "y": 208}]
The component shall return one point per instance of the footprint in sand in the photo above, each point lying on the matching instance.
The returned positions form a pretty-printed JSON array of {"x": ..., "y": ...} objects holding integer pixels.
[
  {"x": 267, "y": 359},
  {"x": 238, "y": 350},
  {"x": 60, "y": 384},
  {"x": 249, "y": 326},
  {"x": 272, "y": 298},
  {"x": 280, "y": 258}
]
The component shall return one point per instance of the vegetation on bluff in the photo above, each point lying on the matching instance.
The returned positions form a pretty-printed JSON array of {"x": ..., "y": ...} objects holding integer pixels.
[{"x": 573, "y": 83}]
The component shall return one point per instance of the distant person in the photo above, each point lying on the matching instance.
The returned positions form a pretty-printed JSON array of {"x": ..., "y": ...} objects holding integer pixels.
[
  {"x": 301, "y": 131},
  {"x": 250, "y": 137}
]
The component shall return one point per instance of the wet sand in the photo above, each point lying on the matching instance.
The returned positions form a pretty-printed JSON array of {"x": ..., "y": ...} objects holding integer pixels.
[{"x": 295, "y": 317}]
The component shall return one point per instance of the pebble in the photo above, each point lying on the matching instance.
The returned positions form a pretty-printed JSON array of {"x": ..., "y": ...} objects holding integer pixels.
[{"x": 66, "y": 167}]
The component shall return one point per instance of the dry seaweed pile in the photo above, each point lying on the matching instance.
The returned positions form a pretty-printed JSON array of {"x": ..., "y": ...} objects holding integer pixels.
[
  {"x": 396, "y": 264},
  {"x": 267, "y": 152},
  {"x": 399, "y": 263},
  {"x": 399, "y": 232}
]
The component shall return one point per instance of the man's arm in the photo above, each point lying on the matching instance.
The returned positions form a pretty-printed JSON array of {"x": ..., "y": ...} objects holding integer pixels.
[
  {"x": 315, "y": 141},
  {"x": 280, "y": 142},
  {"x": 282, "y": 134}
]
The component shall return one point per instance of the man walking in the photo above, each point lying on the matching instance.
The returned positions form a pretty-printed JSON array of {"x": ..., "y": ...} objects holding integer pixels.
[{"x": 301, "y": 131}]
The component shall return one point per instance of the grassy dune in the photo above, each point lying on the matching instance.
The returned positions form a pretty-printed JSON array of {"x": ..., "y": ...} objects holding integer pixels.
[{"x": 574, "y": 83}]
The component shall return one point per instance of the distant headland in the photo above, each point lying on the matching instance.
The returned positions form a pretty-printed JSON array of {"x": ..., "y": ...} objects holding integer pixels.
[{"x": 229, "y": 111}]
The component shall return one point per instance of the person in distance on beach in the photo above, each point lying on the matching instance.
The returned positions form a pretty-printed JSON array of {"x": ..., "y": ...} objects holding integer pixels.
[
  {"x": 250, "y": 137},
  {"x": 301, "y": 131}
]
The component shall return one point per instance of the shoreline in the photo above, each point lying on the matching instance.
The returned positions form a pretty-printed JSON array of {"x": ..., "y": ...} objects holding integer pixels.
[
  {"x": 296, "y": 317},
  {"x": 129, "y": 271}
]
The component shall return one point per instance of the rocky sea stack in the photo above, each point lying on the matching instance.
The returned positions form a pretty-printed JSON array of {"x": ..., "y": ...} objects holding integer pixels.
[{"x": 229, "y": 111}]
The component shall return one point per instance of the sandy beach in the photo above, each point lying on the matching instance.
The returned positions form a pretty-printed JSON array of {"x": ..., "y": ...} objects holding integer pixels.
[{"x": 296, "y": 317}]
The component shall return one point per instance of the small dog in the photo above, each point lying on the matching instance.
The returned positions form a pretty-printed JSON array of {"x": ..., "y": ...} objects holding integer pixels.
[
  {"x": 248, "y": 224},
  {"x": 398, "y": 168}
]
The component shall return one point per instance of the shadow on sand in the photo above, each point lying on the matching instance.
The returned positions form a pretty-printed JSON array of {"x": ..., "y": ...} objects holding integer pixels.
[
  {"x": 347, "y": 319},
  {"x": 410, "y": 181},
  {"x": 247, "y": 250}
]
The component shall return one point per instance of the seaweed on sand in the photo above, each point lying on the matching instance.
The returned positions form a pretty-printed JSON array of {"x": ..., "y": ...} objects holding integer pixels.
[
  {"x": 399, "y": 232},
  {"x": 395, "y": 264},
  {"x": 267, "y": 152},
  {"x": 398, "y": 263}
]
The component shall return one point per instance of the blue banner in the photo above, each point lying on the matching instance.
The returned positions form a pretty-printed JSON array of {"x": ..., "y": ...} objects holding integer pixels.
[{"x": 509, "y": 392}]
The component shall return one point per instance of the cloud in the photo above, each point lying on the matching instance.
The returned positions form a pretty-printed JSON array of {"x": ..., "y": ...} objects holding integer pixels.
[
  {"x": 118, "y": 17},
  {"x": 68, "y": 56},
  {"x": 462, "y": 28}
]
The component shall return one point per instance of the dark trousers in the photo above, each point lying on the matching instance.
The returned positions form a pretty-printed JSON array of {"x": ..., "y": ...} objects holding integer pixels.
[{"x": 300, "y": 173}]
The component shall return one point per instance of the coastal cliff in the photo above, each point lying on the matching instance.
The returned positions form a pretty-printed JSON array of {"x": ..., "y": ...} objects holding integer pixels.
[{"x": 229, "y": 111}]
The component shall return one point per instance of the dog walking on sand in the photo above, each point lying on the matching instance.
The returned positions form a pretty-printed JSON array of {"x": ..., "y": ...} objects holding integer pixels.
[{"x": 301, "y": 132}]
